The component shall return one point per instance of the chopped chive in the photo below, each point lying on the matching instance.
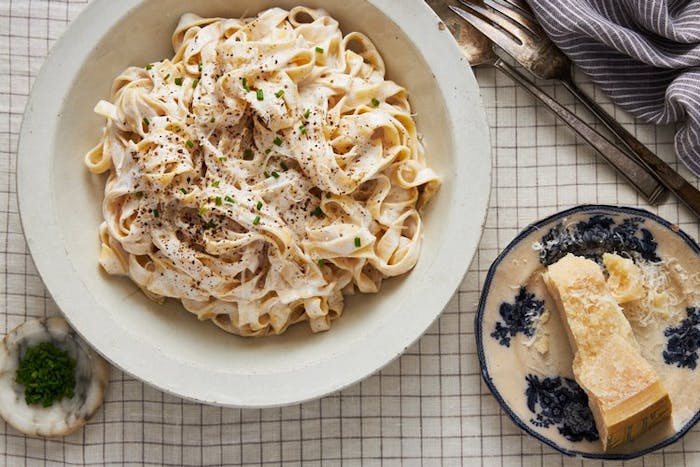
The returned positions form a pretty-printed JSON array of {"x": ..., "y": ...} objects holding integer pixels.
[
  {"x": 259, "y": 205},
  {"x": 307, "y": 114},
  {"x": 149, "y": 66},
  {"x": 139, "y": 194},
  {"x": 284, "y": 166},
  {"x": 321, "y": 262},
  {"x": 178, "y": 81},
  {"x": 319, "y": 50},
  {"x": 256, "y": 221},
  {"x": 275, "y": 174},
  {"x": 278, "y": 141},
  {"x": 145, "y": 121},
  {"x": 195, "y": 83},
  {"x": 259, "y": 94},
  {"x": 156, "y": 213},
  {"x": 210, "y": 225},
  {"x": 266, "y": 174},
  {"x": 202, "y": 211},
  {"x": 375, "y": 102},
  {"x": 189, "y": 143},
  {"x": 166, "y": 77},
  {"x": 268, "y": 151},
  {"x": 199, "y": 67},
  {"x": 184, "y": 192},
  {"x": 223, "y": 159},
  {"x": 217, "y": 201},
  {"x": 318, "y": 212},
  {"x": 358, "y": 242},
  {"x": 228, "y": 199},
  {"x": 248, "y": 155},
  {"x": 212, "y": 120},
  {"x": 302, "y": 128},
  {"x": 279, "y": 93},
  {"x": 215, "y": 183},
  {"x": 244, "y": 83}
]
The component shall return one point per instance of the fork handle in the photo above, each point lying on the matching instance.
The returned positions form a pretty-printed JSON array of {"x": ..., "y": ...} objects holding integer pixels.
[
  {"x": 637, "y": 174},
  {"x": 671, "y": 179}
]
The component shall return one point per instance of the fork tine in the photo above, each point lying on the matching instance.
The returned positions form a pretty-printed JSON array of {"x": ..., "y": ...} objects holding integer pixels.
[
  {"x": 516, "y": 14},
  {"x": 506, "y": 42},
  {"x": 493, "y": 33},
  {"x": 496, "y": 19}
]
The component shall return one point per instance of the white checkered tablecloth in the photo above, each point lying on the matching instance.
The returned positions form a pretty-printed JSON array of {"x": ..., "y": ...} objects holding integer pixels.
[{"x": 429, "y": 407}]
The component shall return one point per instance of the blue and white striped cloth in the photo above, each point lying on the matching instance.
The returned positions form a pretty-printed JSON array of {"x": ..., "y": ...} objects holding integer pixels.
[{"x": 645, "y": 54}]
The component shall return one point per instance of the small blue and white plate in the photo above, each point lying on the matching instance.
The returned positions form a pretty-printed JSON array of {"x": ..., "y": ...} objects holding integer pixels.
[{"x": 524, "y": 352}]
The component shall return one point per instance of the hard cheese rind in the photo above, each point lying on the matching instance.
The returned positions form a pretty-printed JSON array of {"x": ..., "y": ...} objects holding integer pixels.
[{"x": 624, "y": 392}]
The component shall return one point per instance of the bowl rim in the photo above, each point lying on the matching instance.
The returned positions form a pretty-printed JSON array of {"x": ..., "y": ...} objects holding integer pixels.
[
  {"x": 458, "y": 87},
  {"x": 478, "y": 325}
]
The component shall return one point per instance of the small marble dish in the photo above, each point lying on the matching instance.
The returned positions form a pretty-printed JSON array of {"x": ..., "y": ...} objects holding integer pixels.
[{"x": 523, "y": 349}]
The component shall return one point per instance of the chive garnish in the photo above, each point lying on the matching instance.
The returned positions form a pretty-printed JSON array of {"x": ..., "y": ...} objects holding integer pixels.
[
  {"x": 307, "y": 114},
  {"x": 195, "y": 83},
  {"x": 212, "y": 120},
  {"x": 166, "y": 77},
  {"x": 284, "y": 166},
  {"x": 217, "y": 201},
  {"x": 145, "y": 121},
  {"x": 199, "y": 67},
  {"x": 319, "y": 50},
  {"x": 178, "y": 81},
  {"x": 318, "y": 212},
  {"x": 228, "y": 199},
  {"x": 259, "y": 94},
  {"x": 139, "y": 194},
  {"x": 223, "y": 159},
  {"x": 189, "y": 143},
  {"x": 202, "y": 211},
  {"x": 302, "y": 128},
  {"x": 268, "y": 151},
  {"x": 149, "y": 66},
  {"x": 215, "y": 183},
  {"x": 184, "y": 192},
  {"x": 245, "y": 85},
  {"x": 256, "y": 221},
  {"x": 375, "y": 102},
  {"x": 248, "y": 155},
  {"x": 279, "y": 93},
  {"x": 274, "y": 174},
  {"x": 266, "y": 174},
  {"x": 358, "y": 242},
  {"x": 259, "y": 205},
  {"x": 155, "y": 213},
  {"x": 278, "y": 141},
  {"x": 210, "y": 225}
]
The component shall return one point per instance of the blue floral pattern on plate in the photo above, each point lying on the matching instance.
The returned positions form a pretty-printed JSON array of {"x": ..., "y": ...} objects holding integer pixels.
[
  {"x": 561, "y": 402},
  {"x": 597, "y": 235},
  {"x": 683, "y": 341},
  {"x": 519, "y": 316}
]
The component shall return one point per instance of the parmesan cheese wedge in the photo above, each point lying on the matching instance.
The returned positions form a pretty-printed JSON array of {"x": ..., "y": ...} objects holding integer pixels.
[{"x": 624, "y": 392}]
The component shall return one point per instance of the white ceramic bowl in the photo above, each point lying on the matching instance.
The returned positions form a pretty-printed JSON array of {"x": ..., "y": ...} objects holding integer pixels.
[{"x": 60, "y": 205}]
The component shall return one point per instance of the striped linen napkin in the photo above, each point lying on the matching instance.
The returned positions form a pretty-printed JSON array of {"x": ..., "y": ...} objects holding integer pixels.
[{"x": 645, "y": 54}]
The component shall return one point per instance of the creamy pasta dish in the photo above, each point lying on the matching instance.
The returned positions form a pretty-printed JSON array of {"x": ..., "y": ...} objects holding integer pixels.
[{"x": 262, "y": 173}]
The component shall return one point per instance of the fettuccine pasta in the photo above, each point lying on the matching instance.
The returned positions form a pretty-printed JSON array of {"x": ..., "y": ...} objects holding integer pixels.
[{"x": 263, "y": 172}]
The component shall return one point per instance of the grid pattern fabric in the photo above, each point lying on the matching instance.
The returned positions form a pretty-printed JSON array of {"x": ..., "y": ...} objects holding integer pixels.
[{"x": 429, "y": 407}]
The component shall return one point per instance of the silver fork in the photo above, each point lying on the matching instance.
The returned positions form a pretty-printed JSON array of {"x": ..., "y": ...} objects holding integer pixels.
[
  {"x": 511, "y": 26},
  {"x": 479, "y": 50}
]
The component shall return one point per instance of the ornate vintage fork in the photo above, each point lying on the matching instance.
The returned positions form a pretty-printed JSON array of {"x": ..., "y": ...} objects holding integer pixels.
[
  {"x": 478, "y": 49},
  {"x": 510, "y": 25}
]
